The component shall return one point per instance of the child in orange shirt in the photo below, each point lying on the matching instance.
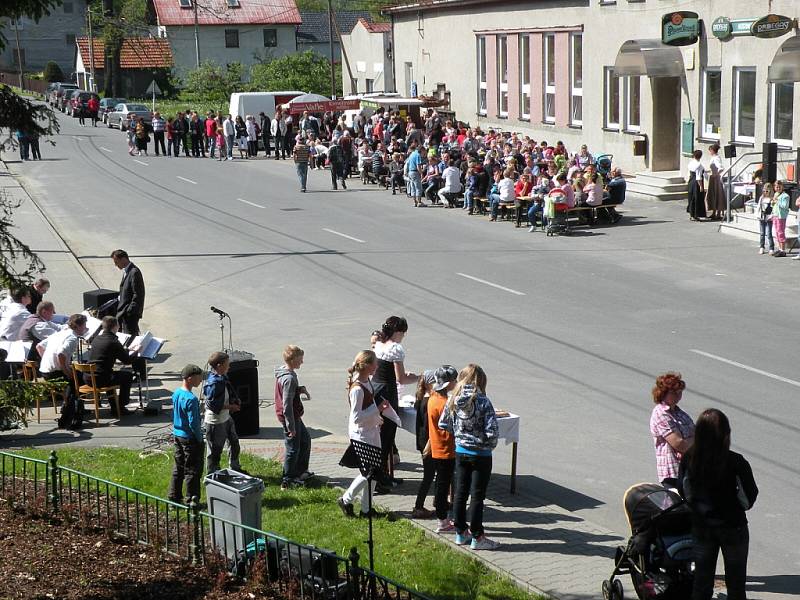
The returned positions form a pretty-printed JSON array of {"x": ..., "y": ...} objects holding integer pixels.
[{"x": 442, "y": 444}]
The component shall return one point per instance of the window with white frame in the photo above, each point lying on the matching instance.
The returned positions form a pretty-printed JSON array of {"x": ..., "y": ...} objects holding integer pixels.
[
  {"x": 482, "y": 102},
  {"x": 502, "y": 72},
  {"x": 633, "y": 95},
  {"x": 370, "y": 85},
  {"x": 612, "y": 98},
  {"x": 525, "y": 76},
  {"x": 549, "y": 70},
  {"x": 576, "y": 79},
  {"x": 712, "y": 103},
  {"x": 781, "y": 109},
  {"x": 744, "y": 105}
]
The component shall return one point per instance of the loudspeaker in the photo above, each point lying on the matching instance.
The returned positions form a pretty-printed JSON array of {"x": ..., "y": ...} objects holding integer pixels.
[
  {"x": 243, "y": 375},
  {"x": 94, "y": 299},
  {"x": 730, "y": 151},
  {"x": 769, "y": 160}
]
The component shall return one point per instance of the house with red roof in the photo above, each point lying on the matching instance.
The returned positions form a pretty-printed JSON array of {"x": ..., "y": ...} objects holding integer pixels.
[
  {"x": 245, "y": 31},
  {"x": 368, "y": 47}
]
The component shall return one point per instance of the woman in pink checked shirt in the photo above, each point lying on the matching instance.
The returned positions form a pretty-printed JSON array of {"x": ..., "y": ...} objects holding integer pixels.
[{"x": 672, "y": 428}]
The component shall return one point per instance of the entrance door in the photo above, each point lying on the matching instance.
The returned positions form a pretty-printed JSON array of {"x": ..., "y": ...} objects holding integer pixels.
[{"x": 666, "y": 123}]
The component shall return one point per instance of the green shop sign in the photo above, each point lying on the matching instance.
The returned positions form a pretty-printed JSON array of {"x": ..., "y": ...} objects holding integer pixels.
[
  {"x": 741, "y": 26},
  {"x": 771, "y": 26},
  {"x": 721, "y": 28},
  {"x": 680, "y": 28}
]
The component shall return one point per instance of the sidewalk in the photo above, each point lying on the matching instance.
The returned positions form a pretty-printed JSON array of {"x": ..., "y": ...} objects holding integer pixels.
[{"x": 545, "y": 548}]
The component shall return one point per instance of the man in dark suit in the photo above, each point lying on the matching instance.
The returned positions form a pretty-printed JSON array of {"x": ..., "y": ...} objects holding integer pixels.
[
  {"x": 131, "y": 293},
  {"x": 106, "y": 350}
]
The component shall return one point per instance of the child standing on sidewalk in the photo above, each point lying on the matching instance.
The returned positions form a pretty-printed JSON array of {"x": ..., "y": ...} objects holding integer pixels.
[
  {"x": 765, "y": 219},
  {"x": 221, "y": 401},
  {"x": 289, "y": 410},
  {"x": 469, "y": 416},
  {"x": 188, "y": 437},
  {"x": 780, "y": 213},
  {"x": 442, "y": 444}
]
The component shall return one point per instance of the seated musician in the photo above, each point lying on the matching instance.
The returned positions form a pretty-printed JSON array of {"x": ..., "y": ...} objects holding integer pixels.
[
  {"x": 106, "y": 350},
  {"x": 39, "y": 327},
  {"x": 15, "y": 314}
]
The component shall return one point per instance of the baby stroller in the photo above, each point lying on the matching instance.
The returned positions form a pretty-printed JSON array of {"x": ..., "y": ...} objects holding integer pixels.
[
  {"x": 555, "y": 209},
  {"x": 658, "y": 556},
  {"x": 604, "y": 165}
]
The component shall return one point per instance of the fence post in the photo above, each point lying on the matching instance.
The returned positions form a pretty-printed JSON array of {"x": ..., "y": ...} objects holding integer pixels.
[
  {"x": 355, "y": 579},
  {"x": 52, "y": 474},
  {"x": 194, "y": 523}
]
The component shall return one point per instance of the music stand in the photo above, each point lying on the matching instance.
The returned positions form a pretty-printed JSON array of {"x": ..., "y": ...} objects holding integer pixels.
[{"x": 369, "y": 457}]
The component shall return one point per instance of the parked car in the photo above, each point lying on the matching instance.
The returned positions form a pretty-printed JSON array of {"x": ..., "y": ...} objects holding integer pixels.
[
  {"x": 117, "y": 117},
  {"x": 62, "y": 100},
  {"x": 78, "y": 102},
  {"x": 107, "y": 105},
  {"x": 58, "y": 91}
]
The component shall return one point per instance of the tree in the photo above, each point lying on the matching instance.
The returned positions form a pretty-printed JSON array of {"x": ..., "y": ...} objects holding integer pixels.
[
  {"x": 306, "y": 71},
  {"x": 52, "y": 72},
  {"x": 18, "y": 263},
  {"x": 213, "y": 83}
]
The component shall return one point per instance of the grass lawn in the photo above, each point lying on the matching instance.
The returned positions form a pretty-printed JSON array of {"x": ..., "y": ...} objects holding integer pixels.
[{"x": 310, "y": 515}]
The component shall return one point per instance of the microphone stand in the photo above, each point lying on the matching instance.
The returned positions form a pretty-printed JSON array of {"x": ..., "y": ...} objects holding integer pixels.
[{"x": 222, "y": 316}]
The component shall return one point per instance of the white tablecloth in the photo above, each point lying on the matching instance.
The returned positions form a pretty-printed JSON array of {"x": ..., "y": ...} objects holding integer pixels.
[
  {"x": 508, "y": 427},
  {"x": 745, "y": 189}
]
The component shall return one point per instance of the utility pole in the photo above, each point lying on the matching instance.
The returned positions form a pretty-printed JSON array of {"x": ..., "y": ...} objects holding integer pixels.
[
  {"x": 93, "y": 86},
  {"x": 196, "y": 36},
  {"x": 19, "y": 51},
  {"x": 330, "y": 41}
]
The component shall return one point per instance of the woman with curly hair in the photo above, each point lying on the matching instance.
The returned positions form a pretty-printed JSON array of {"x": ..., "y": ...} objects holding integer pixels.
[{"x": 672, "y": 429}]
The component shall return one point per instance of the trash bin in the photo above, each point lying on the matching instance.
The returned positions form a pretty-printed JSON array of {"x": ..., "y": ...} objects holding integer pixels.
[{"x": 237, "y": 498}]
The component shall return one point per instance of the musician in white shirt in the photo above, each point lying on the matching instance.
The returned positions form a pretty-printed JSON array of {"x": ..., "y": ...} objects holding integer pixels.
[{"x": 15, "y": 315}]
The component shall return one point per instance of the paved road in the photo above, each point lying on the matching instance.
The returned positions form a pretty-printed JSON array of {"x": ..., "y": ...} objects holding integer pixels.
[{"x": 571, "y": 331}]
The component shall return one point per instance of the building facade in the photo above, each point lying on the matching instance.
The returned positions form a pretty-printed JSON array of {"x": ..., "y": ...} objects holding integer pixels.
[
  {"x": 597, "y": 72},
  {"x": 314, "y": 33},
  {"x": 368, "y": 46},
  {"x": 244, "y": 31},
  {"x": 52, "y": 38}
]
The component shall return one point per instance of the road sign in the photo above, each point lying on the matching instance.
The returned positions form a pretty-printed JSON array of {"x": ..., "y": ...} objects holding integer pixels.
[{"x": 153, "y": 88}]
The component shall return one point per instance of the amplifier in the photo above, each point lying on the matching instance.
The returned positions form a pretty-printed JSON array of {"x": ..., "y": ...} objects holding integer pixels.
[{"x": 243, "y": 375}]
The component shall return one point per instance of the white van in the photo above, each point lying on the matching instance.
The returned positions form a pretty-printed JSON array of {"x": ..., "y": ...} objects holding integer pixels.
[{"x": 252, "y": 103}]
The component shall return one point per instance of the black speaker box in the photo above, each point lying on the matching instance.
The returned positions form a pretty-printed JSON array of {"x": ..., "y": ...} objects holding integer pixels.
[
  {"x": 730, "y": 151},
  {"x": 243, "y": 376},
  {"x": 769, "y": 159},
  {"x": 94, "y": 299}
]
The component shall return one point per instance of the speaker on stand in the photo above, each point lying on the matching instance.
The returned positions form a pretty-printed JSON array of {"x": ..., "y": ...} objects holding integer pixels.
[
  {"x": 769, "y": 162},
  {"x": 243, "y": 375}
]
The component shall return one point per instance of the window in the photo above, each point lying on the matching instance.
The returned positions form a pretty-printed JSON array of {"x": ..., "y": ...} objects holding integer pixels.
[
  {"x": 781, "y": 108},
  {"x": 270, "y": 38},
  {"x": 231, "y": 38},
  {"x": 633, "y": 93},
  {"x": 611, "y": 99},
  {"x": 502, "y": 72},
  {"x": 525, "y": 76},
  {"x": 744, "y": 116},
  {"x": 576, "y": 78},
  {"x": 712, "y": 100},
  {"x": 482, "y": 102},
  {"x": 185, "y": 3},
  {"x": 68, "y": 7},
  {"x": 549, "y": 78},
  {"x": 370, "y": 85},
  {"x": 69, "y": 39},
  {"x": 233, "y": 3}
]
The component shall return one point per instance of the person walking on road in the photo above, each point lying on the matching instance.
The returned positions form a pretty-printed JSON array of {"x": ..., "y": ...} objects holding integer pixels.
[
  {"x": 719, "y": 487},
  {"x": 159, "y": 126},
  {"x": 93, "y": 106},
  {"x": 469, "y": 416},
  {"x": 229, "y": 131},
  {"x": 672, "y": 429},
  {"x": 300, "y": 154},
  {"x": 336, "y": 161}
]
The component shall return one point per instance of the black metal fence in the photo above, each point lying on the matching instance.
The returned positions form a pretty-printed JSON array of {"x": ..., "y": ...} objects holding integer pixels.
[{"x": 46, "y": 488}]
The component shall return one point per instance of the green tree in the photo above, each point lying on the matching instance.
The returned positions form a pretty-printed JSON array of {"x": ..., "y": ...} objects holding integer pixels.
[
  {"x": 306, "y": 71},
  {"x": 52, "y": 72},
  {"x": 212, "y": 82}
]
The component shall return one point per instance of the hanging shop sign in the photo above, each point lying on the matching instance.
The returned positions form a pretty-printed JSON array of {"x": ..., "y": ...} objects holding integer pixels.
[
  {"x": 680, "y": 28},
  {"x": 721, "y": 28},
  {"x": 771, "y": 26},
  {"x": 741, "y": 26}
]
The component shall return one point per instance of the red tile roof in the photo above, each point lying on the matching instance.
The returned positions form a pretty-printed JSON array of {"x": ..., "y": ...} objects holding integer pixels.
[
  {"x": 137, "y": 53},
  {"x": 217, "y": 12},
  {"x": 375, "y": 27}
]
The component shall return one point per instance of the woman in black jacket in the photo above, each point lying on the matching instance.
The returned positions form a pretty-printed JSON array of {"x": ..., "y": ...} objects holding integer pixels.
[{"x": 719, "y": 487}]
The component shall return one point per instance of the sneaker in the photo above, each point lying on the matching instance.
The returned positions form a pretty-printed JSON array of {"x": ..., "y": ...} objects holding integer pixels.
[
  {"x": 344, "y": 185},
  {"x": 422, "y": 513},
  {"x": 484, "y": 543},
  {"x": 445, "y": 526},
  {"x": 347, "y": 509},
  {"x": 772, "y": 252},
  {"x": 779, "y": 253},
  {"x": 761, "y": 251},
  {"x": 796, "y": 257},
  {"x": 532, "y": 228},
  {"x": 462, "y": 539},
  {"x": 305, "y": 475}
]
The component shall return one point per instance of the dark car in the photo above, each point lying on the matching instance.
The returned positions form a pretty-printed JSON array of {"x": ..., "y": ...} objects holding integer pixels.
[
  {"x": 79, "y": 101},
  {"x": 118, "y": 116},
  {"x": 107, "y": 105},
  {"x": 57, "y": 93}
]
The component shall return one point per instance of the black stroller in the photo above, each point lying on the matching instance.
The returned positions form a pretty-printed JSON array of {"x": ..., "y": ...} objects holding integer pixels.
[{"x": 659, "y": 552}]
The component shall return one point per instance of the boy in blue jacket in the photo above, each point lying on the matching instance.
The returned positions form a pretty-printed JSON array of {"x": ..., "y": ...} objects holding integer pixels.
[{"x": 188, "y": 437}]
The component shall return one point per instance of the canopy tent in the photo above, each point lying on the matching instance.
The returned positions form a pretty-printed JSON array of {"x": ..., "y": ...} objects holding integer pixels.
[
  {"x": 648, "y": 57},
  {"x": 308, "y": 98},
  {"x": 785, "y": 67}
]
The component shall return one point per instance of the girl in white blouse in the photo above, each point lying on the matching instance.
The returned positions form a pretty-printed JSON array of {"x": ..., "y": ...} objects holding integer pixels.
[{"x": 696, "y": 206}]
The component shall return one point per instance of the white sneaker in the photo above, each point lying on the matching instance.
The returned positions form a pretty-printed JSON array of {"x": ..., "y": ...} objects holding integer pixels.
[
  {"x": 796, "y": 257},
  {"x": 771, "y": 252},
  {"x": 761, "y": 251},
  {"x": 445, "y": 526},
  {"x": 484, "y": 543},
  {"x": 532, "y": 228}
]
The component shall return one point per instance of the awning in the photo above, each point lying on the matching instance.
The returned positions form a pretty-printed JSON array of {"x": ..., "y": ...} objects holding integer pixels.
[
  {"x": 785, "y": 67},
  {"x": 648, "y": 57}
]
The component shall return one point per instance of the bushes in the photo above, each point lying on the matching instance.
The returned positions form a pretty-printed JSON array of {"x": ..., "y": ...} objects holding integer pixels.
[
  {"x": 212, "y": 83},
  {"x": 303, "y": 71},
  {"x": 52, "y": 72}
]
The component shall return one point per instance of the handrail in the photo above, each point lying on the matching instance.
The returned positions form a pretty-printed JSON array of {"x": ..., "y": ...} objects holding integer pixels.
[{"x": 730, "y": 178}]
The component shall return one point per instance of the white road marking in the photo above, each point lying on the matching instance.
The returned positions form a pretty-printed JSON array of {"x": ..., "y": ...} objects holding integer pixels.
[
  {"x": 494, "y": 285},
  {"x": 186, "y": 180},
  {"x": 747, "y": 367},
  {"x": 344, "y": 235},
  {"x": 105, "y": 149},
  {"x": 250, "y": 203},
  {"x": 141, "y": 162}
]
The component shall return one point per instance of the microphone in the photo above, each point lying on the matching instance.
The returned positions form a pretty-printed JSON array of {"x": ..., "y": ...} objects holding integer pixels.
[{"x": 221, "y": 313}]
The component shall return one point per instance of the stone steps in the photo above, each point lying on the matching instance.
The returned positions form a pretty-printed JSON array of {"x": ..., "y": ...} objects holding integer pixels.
[
  {"x": 665, "y": 186},
  {"x": 745, "y": 226}
]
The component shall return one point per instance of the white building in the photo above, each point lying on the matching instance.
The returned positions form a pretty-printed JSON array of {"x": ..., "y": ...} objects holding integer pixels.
[
  {"x": 369, "y": 51},
  {"x": 245, "y": 31}
]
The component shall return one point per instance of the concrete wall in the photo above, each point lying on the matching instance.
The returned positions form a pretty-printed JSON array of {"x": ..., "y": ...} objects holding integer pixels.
[
  {"x": 321, "y": 48},
  {"x": 368, "y": 50},
  {"x": 46, "y": 40},
  {"x": 212, "y": 45},
  {"x": 441, "y": 45}
]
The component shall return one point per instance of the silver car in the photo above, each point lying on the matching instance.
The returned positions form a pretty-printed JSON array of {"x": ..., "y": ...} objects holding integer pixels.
[{"x": 118, "y": 117}]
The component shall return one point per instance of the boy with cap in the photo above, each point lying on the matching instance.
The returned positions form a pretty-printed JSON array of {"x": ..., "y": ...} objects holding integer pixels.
[
  {"x": 442, "y": 444},
  {"x": 188, "y": 437}
]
